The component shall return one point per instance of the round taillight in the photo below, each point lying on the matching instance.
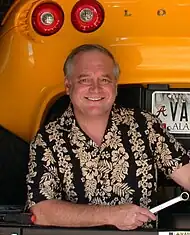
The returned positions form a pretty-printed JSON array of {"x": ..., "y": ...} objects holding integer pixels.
[
  {"x": 47, "y": 18},
  {"x": 87, "y": 15}
]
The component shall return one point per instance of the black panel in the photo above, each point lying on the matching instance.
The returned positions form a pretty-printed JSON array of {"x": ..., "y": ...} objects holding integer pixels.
[
  {"x": 61, "y": 231},
  {"x": 57, "y": 108},
  {"x": 131, "y": 96},
  {"x": 10, "y": 230},
  {"x": 181, "y": 220},
  {"x": 158, "y": 87},
  {"x": 14, "y": 153},
  {"x": 4, "y": 6}
]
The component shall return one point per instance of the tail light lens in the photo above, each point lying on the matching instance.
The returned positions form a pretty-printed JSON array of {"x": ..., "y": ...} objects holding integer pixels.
[
  {"x": 87, "y": 15},
  {"x": 47, "y": 19}
]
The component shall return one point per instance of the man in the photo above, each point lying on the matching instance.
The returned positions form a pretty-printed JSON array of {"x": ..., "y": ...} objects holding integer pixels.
[{"x": 97, "y": 164}]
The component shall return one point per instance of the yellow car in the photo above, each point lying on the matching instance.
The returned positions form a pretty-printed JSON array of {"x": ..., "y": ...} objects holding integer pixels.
[{"x": 150, "y": 40}]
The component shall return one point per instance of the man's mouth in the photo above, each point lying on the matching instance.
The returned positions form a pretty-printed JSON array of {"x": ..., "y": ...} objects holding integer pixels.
[{"x": 94, "y": 99}]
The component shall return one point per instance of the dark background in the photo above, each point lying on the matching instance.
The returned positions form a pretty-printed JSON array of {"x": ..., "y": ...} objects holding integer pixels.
[{"x": 4, "y": 6}]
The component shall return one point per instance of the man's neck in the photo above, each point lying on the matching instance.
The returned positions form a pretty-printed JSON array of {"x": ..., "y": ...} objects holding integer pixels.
[{"x": 94, "y": 127}]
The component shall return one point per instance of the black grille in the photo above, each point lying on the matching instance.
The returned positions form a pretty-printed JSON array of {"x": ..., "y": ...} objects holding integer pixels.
[{"x": 4, "y": 7}]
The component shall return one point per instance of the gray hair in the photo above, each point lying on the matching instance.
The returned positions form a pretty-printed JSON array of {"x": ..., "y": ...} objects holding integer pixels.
[{"x": 86, "y": 48}]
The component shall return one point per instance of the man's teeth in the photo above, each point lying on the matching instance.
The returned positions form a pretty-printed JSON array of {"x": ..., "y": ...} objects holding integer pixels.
[{"x": 94, "y": 99}]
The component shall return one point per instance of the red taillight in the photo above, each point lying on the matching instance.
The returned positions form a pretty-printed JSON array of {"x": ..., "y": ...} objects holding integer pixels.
[
  {"x": 47, "y": 18},
  {"x": 87, "y": 15}
]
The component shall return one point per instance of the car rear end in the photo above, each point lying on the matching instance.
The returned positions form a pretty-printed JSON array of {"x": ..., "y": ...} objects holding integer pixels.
[{"x": 150, "y": 40}]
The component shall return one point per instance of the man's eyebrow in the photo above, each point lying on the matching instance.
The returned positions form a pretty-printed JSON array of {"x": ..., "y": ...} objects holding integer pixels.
[
  {"x": 82, "y": 75},
  {"x": 106, "y": 76}
]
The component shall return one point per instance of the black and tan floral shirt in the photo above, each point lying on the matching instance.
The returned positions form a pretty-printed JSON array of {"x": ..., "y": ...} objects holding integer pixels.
[{"x": 66, "y": 164}]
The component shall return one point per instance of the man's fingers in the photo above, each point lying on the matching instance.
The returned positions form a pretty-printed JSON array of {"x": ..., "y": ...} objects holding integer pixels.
[
  {"x": 138, "y": 223},
  {"x": 146, "y": 212},
  {"x": 131, "y": 227},
  {"x": 142, "y": 218}
]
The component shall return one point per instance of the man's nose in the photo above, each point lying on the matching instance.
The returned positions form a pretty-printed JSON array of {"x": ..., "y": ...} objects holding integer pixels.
[{"x": 95, "y": 86}]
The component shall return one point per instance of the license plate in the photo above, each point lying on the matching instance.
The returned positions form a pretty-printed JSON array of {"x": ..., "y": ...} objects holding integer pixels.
[
  {"x": 173, "y": 109},
  {"x": 175, "y": 233}
]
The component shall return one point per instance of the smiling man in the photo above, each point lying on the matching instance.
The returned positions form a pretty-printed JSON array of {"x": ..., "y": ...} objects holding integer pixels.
[
  {"x": 98, "y": 163},
  {"x": 92, "y": 87}
]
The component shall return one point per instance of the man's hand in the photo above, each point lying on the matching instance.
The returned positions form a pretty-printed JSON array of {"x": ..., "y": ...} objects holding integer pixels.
[
  {"x": 130, "y": 216},
  {"x": 182, "y": 176}
]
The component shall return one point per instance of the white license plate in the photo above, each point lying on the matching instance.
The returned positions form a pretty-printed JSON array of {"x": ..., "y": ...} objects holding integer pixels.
[
  {"x": 173, "y": 108},
  {"x": 175, "y": 233}
]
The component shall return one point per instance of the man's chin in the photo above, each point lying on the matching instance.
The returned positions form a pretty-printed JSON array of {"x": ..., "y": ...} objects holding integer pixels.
[{"x": 91, "y": 111}]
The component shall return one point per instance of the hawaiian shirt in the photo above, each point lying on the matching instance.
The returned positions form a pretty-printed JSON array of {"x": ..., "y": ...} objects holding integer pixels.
[{"x": 66, "y": 164}]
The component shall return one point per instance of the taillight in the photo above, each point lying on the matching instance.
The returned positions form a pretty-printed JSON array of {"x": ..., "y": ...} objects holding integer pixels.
[
  {"x": 87, "y": 15},
  {"x": 47, "y": 18}
]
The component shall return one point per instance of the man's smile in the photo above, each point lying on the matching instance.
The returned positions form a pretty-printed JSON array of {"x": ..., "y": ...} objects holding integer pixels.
[{"x": 94, "y": 98}]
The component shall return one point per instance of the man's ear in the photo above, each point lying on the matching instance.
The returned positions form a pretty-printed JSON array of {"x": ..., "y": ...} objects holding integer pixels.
[{"x": 67, "y": 85}]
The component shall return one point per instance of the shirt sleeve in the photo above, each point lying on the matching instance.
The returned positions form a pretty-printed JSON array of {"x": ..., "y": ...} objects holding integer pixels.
[
  {"x": 168, "y": 152},
  {"x": 42, "y": 179}
]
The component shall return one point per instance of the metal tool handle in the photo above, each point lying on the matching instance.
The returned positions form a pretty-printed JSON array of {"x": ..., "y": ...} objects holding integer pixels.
[{"x": 183, "y": 197}]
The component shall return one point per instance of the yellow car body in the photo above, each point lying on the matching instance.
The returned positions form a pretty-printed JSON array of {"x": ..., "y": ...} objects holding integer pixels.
[{"x": 150, "y": 40}]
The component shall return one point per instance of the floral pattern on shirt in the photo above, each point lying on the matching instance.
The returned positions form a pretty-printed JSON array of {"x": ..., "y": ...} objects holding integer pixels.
[{"x": 66, "y": 164}]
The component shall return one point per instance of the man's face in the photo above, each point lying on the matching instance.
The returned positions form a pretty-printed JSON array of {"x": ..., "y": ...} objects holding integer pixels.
[{"x": 92, "y": 86}]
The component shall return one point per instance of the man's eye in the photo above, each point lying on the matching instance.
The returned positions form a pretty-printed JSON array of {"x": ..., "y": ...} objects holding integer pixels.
[
  {"x": 105, "y": 80},
  {"x": 84, "y": 81}
]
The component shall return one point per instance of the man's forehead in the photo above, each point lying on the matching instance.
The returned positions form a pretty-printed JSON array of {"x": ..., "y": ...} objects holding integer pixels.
[
  {"x": 95, "y": 68},
  {"x": 92, "y": 59}
]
